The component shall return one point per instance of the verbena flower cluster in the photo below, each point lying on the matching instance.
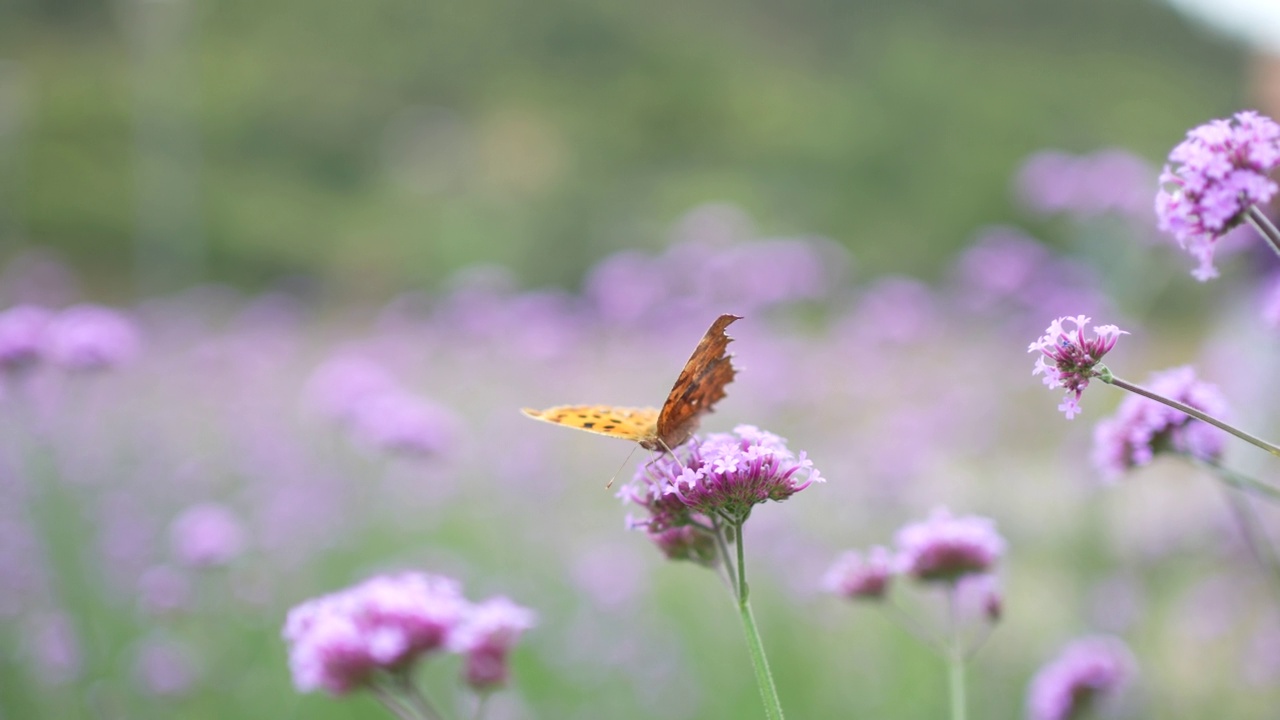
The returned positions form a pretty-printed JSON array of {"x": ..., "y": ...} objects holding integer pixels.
[
  {"x": 1084, "y": 674},
  {"x": 81, "y": 337},
  {"x": 940, "y": 549},
  {"x": 367, "y": 401},
  {"x": 723, "y": 476},
  {"x": 343, "y": 641},
  {"x": 1213, "y": 177},
  {"x": 1068, "y": 359},
  {"x": 1142, "y": 427}
]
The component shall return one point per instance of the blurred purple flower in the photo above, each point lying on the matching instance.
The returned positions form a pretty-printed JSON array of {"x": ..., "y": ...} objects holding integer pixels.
[
  {"x": 207, "y": 535},
  {"x": 164, "y": 667},
  {"x": 1074, "y": 358},
  {"x": 1083, "y": 674},
  {"x": 399, "y": 422},
  {"x": 22, "y": 334},
  {"x": 485, "y": 638},
  {"x": 1212, "y": 179},
  {"x": 1110, "y": 180},
  {"x": 980, "y": 596},
  {"x": 626, "y": 286},
  {"x": 944, "y": 548},
  {"x": 337, "y": 386},
  {"x": 1141, "y": 427},
  {"x": 1001, "y": 265},
  {"x": 857, "y": 575},
  {"x": 389, "y": 622},
  {"x": 91, "y": 337},
  {"x": 163, "y": 589},
  {"x": 54, "y": 648},
  {"x": 726, "y": 475}
]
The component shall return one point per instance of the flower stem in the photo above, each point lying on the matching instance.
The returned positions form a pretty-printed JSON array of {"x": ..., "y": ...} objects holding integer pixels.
[
  {"x": 956, "y": 663},
  {"x": 1255, "y": 536},
  {"x": 764, "y": 678},
  {"x": 1183, "y": 407},
  {"x": 415, "y": 698},
  {"x": 389, "y": 700},
  {"x": 955, "y": 659},
  {"x": 1262, "y": 224},
  {"x": 1239, "y": 481}
]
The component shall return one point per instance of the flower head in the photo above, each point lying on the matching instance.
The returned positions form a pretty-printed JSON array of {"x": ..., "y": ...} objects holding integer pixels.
[
  {"x": 1072, "y": 358},
  {"x": 402, "y": 423},
  {"x": 859, "y": 576},
  {"x": 22, "y": 335},
  {"x": 207, "y": 535},
  {"x": 1212, "y": 179},
  {"x": 1141, "y": 427},
  {"x": 485, "y": 638},
  {"x": 389, "y": 622},
  {"x": 725, "y": 475},
  {"x": 945, "y": 548},
  {"x": 1083, "y": 672},
  {"x": 91, "y": 337}
]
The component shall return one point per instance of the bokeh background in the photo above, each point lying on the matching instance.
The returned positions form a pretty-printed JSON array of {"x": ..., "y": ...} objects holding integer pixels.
[{"x": 348, "y": 241}]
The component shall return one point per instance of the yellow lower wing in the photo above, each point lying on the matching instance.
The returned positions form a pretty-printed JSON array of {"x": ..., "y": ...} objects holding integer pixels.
[{"x": 626, "y": 423}]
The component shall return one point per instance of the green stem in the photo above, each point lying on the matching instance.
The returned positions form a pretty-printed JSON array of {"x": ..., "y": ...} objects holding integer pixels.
[
  {"x": 1255, "y": 536},
  {"x": 1107, "y": 377},
  {"x": 764, "y": 678},
  {"x": 415, "y": 698},
  {"x": 1241, "y": 482},
  {"x": 955, "y": 661},
  {"x": 1262, "y": 224},
  {"x": 392, "y": 703}
]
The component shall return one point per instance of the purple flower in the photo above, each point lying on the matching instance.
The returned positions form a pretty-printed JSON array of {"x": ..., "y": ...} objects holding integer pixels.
[
  {"x": 1073, "y": 357},
  {"x": 945, "y": 548},
  {"x": 399, "y": 422},
  {"x": 338, "y": 641},
  {"x": 164, "y": 667},
  {"x": 1213, "y": 178},
  {"x": 207, "y": 535},
  {"x": 163, "y": 589},
  {"x": 1106, "y": 181},
  {"x": 726, "y": 475},
  {"x": 22, "y": 335},
  {"x": 1141, "y": 427},
  {"x": 485, "y": 638},
  {"x": 340, "y": 383},
  {"x": 91, "y": 337},
  {"x": 1083, "y": 673},
  {"x": 861, "y": 576},
  {"x": 54, "y": 648}
]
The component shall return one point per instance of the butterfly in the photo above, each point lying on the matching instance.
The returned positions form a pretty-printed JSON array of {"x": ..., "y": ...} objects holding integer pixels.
[{"x": 697, "y": 390}]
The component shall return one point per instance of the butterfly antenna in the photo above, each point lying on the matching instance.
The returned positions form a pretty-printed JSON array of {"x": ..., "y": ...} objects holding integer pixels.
[{"x": 624, "y": 464}]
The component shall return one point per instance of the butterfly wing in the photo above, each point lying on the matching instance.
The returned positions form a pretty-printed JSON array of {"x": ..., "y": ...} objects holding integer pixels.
[
  {"x": 626, "y": 423},
  {"x": 699, "y": 387}
]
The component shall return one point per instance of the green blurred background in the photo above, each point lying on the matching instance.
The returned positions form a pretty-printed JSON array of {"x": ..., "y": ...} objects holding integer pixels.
[{"x": 375, "y": 146}]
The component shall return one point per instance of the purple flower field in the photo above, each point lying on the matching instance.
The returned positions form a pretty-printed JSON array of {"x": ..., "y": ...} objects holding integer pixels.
[{"x": 221, "y": 505}]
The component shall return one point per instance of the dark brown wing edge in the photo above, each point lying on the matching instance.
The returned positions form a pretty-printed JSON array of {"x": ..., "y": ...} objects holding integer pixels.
[{"x": 700, "y": 385}]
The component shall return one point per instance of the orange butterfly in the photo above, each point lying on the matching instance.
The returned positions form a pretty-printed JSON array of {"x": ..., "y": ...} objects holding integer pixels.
[{"x": 697, "y": 390}]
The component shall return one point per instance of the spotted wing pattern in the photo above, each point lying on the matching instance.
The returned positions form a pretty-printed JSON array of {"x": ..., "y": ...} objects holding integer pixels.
[
  {"x": 700, "y": 386},
  {"x": 635, "y": 424}
]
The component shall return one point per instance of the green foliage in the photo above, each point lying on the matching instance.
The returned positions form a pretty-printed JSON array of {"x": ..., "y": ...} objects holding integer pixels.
[{"x": 387, "y": 143}]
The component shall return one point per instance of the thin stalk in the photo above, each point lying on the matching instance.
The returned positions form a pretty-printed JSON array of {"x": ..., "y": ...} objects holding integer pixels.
[
  {"x": 764, "y": 678},
  {"x": 955, "y": 662},
  {"x": 1239, "y": 481},
  {"x": 1255, "y": 536},
  {"x": 392, "y": 703},
  {"x": 955, "y": 659},
  {"x": 417, "y": 700},
  {"x": 1183, "y": 407},
  {"x": 1262, "y": 224}
]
